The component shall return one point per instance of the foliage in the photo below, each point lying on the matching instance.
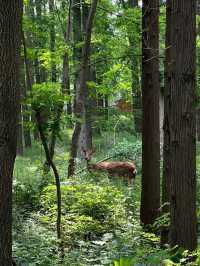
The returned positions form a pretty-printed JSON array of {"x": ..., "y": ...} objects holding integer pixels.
[{"x": 88, "y": 210}]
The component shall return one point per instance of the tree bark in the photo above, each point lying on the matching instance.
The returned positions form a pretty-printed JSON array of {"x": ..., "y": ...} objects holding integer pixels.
[
  {"x": 77, "y": 38},
  {"x": 27, "y": 88},
  {"x": 166, "y": 145},
  {"x": 86, "y": 129},
  {"x": 52, "y": 41},
  {"x": 182, "y": 125},
  {"x": 10, "y": 40},
  {"x": 136, "y": 90},
  {"x": 150, "y": 197},
  {"x": 80, "y": 100}
]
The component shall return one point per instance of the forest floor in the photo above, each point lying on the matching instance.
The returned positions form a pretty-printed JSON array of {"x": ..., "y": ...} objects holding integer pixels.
[{"x": 100, "y": 217}]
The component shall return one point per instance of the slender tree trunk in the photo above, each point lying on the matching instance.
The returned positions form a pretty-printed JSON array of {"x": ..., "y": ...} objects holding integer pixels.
[
  {"x": 182, "y": 83},
  {"x": 26, "y": 88},
  {"x": 40, "y": 71},
  {"x": 166, "y": 146},
  {"x": 80, "y": 101},
  {"x": 66, "y": 76},
  {"x": 10, "y": 39},
  {"x": 52, "y": 141},
  {"x": 77, "y": 38},
  {"x": 150, "y": 197},
  {"x": 65, "y": 84},
  {"x": 55, "y": 171},
  {"x": 136, "y": 90},
  {"x": 52, "y": 41}
]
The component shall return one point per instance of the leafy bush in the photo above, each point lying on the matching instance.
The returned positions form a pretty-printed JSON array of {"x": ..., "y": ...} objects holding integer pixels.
[{"x": 88, "y": 210}]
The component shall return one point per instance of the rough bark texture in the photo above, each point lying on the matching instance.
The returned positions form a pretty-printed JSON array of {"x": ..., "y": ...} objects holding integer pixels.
[
  {"x": 80, "y": 99},
  {"x": 182, "y": 125},
  {"x": 166, "y": 146},
  {"x": 77, "y": 38},
  {"x": 86, "y": 129},
  {"x": 198, "y": 75},
  {"x": 10, "y": 38},
  {"x": 150, "y": 198}
]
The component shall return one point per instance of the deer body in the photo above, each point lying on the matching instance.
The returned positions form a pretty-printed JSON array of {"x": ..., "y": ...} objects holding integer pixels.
[{"x": 125, "y": 170}]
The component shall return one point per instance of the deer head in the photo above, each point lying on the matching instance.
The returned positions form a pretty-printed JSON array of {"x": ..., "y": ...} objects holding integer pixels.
[{"x": 88, "y": 154}]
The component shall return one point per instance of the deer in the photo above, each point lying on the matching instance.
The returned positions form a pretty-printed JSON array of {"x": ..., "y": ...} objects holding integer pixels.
[{"x": 125, "y": 170}]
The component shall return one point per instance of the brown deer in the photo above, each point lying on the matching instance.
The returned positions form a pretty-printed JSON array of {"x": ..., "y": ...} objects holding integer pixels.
[{"x": 125, "y": 170}]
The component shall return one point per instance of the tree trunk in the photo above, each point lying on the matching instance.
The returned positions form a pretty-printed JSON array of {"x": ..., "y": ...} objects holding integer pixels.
[
  {"x": 166, "y": 146},
  {"x": 182, "y": 83},
  {"x": 86, "y": 129},
  {"x": 52, "y": 141},
  {"x": 198, "y": 74},
  {"x": 80, "y": 100},
  {"x": 66, "y": 76},
  {"x": 52, "y": 41},
  {"x": 55, "y": 171},
  {"x": 26, "y": 88},
  {"x": 77, "y": 38},
  {"x": 136, "y": 90},
  {"x": 10, "y": 39},
  {"x": 150, "y": 197}
]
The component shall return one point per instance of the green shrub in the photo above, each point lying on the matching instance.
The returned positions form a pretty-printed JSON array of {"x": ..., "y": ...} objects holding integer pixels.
[{"x": 88, "y": 210}]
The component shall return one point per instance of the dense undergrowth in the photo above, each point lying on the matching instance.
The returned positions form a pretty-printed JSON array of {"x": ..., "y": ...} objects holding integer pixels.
[{"x": 100, "y": 217}]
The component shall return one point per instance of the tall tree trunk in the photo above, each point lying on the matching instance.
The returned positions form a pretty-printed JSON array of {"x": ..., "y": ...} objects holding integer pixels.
[
  {"x": 182, "y": 83},
  {"x": 65, "y": 84},
  {"x": 40, "y": 71},
  {"x": 52, "y": 141},
  {"x": 150, "y": 197},
  {"x": 86, "y": 129},
  {"x": 77, "y": 38},
  {"x": 166, "y": 146},
  {"x": 198, "y": 74},
  {"x": 52, "y": 40},
  {"x": 10, "y": 39},
  {"x": 65, "y": 74},
  {"x": 136, "y": 90},
  {"x": 80, "y": 100}
]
